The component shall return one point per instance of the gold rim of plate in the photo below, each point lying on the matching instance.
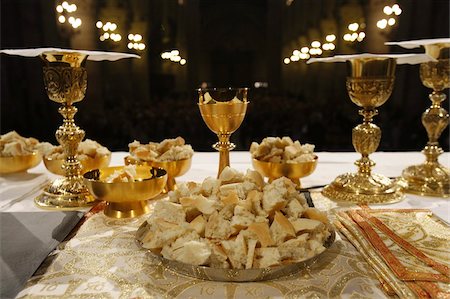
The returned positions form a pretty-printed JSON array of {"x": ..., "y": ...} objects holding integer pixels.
[{"x": 241, "y": 275}]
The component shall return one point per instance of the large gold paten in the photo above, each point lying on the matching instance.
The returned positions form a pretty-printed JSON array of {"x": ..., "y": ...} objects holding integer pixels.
[
  {"x": 126, "y": 199},
  {"x": 369, "y": 86},
  {"x": 432, "y": 178},
  {"x": 223, "y": 110},
  {"x": 65, "y": 80}
]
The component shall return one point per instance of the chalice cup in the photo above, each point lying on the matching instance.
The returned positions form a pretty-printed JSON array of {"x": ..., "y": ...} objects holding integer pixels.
[
  {"x": 369, "y": 86},
  {"x": 431, "y": 178},
  {"x": 223, "y": 110},
  {"x": 65, "y": 80}
]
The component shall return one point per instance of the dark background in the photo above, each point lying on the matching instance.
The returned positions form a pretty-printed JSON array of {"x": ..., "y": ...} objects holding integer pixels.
[{"x": 226, "y": 43}]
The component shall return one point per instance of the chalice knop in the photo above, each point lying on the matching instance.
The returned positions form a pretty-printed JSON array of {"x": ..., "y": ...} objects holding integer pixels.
[
  {"x": 223, "y": 110},
  {"x": 369, "y": 86},
  {"x": 65, "y": 80},
  {"x": 432, "y": 178}
]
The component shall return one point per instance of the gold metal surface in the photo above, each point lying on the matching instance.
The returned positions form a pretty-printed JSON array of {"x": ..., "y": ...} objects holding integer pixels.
[
  {"x": 293, "y": 171},
  {"x": 369, "y": 86},
  {"x": 242, "y": 275},
  {"x": 223, "y": 115},
  {"x": 65, "y": 80},
  {"x": 174, "y": 169},
  {"x": 432, "y": 178},
  {"x": 19, "y": 163},
  {"x": 126, "y": 199},
  {"x": 89, "y": 163}
]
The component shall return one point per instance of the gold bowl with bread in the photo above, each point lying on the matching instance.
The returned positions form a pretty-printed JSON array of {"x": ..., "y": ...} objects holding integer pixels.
[
  {"x": 18, "y": 153},
  {"x": 174, "y": 169},
  {"x": 54, "y": 165},
  {"x": 236, "y": 228},
  {"x": 277, "y": 157},
  {"x": 173, "y": 155},
  {"x": 19, "y": 163},
  {"x": 126, "y": 189},
  {"x": 90, "y": 153}
]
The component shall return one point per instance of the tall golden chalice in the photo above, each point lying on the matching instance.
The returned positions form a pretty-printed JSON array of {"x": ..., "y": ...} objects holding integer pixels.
[
  {"x": 65, "y": 80},
  {"x": 370, "y": 85},
  {"x": 431, "y": 178},
  {"x": 223, "y": 110}
]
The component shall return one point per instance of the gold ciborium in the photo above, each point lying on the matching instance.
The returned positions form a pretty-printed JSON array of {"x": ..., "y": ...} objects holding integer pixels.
[
  {"x": 126, "y": 199},
  {"x": 65, "y": 80},
  {"x": 174, "y": 169},
  {"x": 431, "y": 178},
  {"x": 369, "y": 86},
  {"x": 293, "y": 171},
  {"x": 223, "y": 110}
]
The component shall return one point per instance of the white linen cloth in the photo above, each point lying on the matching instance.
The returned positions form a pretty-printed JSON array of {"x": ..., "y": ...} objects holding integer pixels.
[
  {"x": 401, "y": 58},
  {"x": 411, "y": 44},
  {"x": 92, "y": 55}
]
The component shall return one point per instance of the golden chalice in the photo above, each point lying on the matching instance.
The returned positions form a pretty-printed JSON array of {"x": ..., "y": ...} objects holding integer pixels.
[
  {"x": 126, "y": 199},
  {"x": 56, "y": 165},
  {"x": 432, "y": 178},
  {"x": 174, "y": 169},
  {"x": 370, "y": 85},
  {"x": 65, "y": 80},
  {"x": 19, "y": 163},
  {"x": 223, "y": 110},
  {"x": 293, "y": 171}
]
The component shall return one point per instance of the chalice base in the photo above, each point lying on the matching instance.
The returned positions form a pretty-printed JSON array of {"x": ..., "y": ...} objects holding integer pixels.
[
  {"x": 65, "y": 194},
  {"x": 362, "y": 188},
  {"x": 428, "y": 179},
  {"x": 126, "y": 209}
]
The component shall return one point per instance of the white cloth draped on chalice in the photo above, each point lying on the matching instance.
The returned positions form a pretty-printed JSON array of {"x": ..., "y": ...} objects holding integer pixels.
[{"x": 92, "y": 55}]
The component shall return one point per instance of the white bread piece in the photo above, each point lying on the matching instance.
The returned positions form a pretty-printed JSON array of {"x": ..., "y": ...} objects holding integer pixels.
[
  {"x": 286, "y": 141},
  {"x": 230, "y": 175},
  {"x": 227, "y": 212},
  {"x": 167, "y": 250},
  {"x": 242, "y": 218},
  {"x": 251, "y": 245},
  {"x": 144, "y": 153},
  {"x": 231, "y": 198},
  {"x": 313, "y": 213},
  {"x": 161, "y": 233},
  {"x": 303, "y": 158},
  {"x": 181, "y": 191},
  {"x": 281, "y": 229},
  {"x": 133, "y": 146},
  {"x": 290, "y": 152},
  {"x": 218, "y": 258},
  {"x": 255, "y": 177},
  {"x": 294, "y": 249},
  {"x": 256, "y": 198},
  {"x": 198, "y": 225},
  {"x": 15, "y": 148},
  {"x": 166, "y": 144},
  {"x": 168, "y": 211},
  {"x": 294, "y": 209},
  {"x": 261, "y": 151},
  {"x": 315, "y": 247},
  {"x": 274, "y": 195},
  {"x": 203, "y": 204},
  {"x": 246, "y": 204},
  {"x": 305, "y": 224},
  {"x": 238, "y": 188},
  {"x": 253, "y": 147},
  {"x": 88, "y": 147},
  {"x": 267, "y": 257},
  {"x": 192, "y": 252},
  {"x": 210, "y": 186},
  {"x": 10, "y": 136},
  {"x": 262, "y": 232},
  {"x": 218, "y": 227},
  {"x": 236, "y": 251}
]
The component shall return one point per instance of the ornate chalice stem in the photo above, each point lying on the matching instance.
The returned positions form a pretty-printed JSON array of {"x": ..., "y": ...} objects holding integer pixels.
[
  {"x": 435, "y": 120},
  {"x": 366, "y": 138},
  {"x": 69, "y": 136},
  {"x": 224, "y": 146}
]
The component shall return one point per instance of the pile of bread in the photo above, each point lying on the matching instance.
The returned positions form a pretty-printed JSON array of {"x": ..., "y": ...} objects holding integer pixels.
[
  {"x": 167, "y": 150},
  {"x": 282, "y": 150},
  {"x": 12, "y": 144},
  {"x": 86, "y": 149},
  {"x": 236, "y": 221}
]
